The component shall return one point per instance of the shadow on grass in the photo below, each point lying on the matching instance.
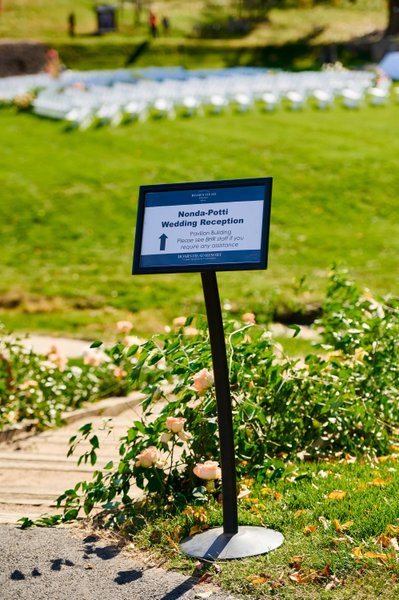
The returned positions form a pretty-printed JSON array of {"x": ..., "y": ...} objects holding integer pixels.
[
  {"x": 303, "y": 53},
  {"x": 137, "y": 52}
]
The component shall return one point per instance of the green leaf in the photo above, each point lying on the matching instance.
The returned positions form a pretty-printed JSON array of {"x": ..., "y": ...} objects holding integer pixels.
[
  {"x": 94, "y": 441},
  {"x": 96, "y": 344},
  {"x": 132, "y": 350},
  {"x": 155, "y": 358},
  {"x": 200, "y": 493},
  {"x": 110, "y": 505},
  {"x": 296, "y": 328},
  {"x": 277, "y": 474},
  {"x": 149, "y": 345},
  {"x": 135, "y": 373},
  {"x": 70, "y": 514},
  {"x": 116, "y": 350},
  {"x": 307, "y": 476},
  {"x": 85, "y": 429},
  {"x": 25, "y": 522}
]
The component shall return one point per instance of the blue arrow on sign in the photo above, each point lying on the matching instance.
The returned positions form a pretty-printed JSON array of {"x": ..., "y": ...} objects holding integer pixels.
[{"x": 163, "y": 239}]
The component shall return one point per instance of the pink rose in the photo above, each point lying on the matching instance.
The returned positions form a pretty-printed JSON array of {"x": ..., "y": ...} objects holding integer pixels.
[
  {"x": 119, "y": 373},
  {"x": 194, "y": 403},
  {"x": 124, "y": 326},
  {"x": 147, "y": 458},
  {"x": 175, "y": 424},
  {"x": 202, "y": 381},
  {"x": 208, "y": 470},
  {"x": 191, "y": 331},
  {"x": 56, "y": 358},
  {"x": 249, "y": 318},
  {"x": 184, "y": 436},
  {"x": 165, "y": 438},
  {"x": 93, "y": 359},
  {"x": 179, "y": 321}
]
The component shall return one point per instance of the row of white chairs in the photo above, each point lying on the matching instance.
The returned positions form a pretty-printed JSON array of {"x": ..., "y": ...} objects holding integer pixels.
[
  {"x": 116, "y": 96},
  {"x": 177, "y": 78},
  {"x": 84, "y": 112}
]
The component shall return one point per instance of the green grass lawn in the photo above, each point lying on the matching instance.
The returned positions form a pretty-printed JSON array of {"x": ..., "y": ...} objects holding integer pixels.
[
  {"x": 340, "y": 526},
  {"x": 47, "y": 20},
  {"x": 68, "y": 206},
  {"x": 292, "y": 37}
]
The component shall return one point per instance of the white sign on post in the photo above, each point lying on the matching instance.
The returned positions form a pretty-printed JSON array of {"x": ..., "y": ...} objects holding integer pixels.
[{"x": 208, "y": 225}]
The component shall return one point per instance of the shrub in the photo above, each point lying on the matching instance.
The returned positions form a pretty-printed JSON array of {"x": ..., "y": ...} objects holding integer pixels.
[
  {"x": 39, "y": 388},
  {"x": 341, "y": 399}
]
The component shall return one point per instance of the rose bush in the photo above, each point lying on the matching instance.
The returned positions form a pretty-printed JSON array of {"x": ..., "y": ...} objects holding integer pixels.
[
  {"x": 39, "y": 388},
  {"x": 342, "y": 398}
]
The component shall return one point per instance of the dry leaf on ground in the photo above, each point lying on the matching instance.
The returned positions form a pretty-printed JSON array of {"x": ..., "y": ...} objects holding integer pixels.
[
  {"x": 333, "y": 583},
  {"x": 257, "y": 579},
  {"x": 340, "y": 527},
  {"x": 384, "y": 540},
  {"x": 309, "y": 529},
  {"x": 205, "y": 578},
  {"x": 375, "y": 555},
  {"x": 197, "y": 529},
  {"x": 378, "y": 482},
  {"x": 173, "y": 544},
  {"x": 336, "y": 495},
  {"x": 324, "y": 522},
  {"x": 392, "y": 529},
  {"x": 301, "y": 577}
]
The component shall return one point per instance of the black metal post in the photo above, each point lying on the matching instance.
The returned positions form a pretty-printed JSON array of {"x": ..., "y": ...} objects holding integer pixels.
[{"x": 222, "y": 387}]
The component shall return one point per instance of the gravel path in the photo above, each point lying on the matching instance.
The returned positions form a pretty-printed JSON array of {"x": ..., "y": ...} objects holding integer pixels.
[
  {"x": 72, "y": 347},
  {"x": 67, "y": 346},
  {"x": 63, "y": 563},
  {"x": 35, "y": 470},
  {"x": 66, "y": 562}
]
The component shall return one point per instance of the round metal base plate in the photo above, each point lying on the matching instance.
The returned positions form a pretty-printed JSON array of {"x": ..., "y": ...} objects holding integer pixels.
[{"x": 215, "y": 545}]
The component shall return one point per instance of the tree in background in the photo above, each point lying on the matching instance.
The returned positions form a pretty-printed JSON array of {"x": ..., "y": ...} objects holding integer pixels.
[
  {"x": 139, "y": 6},
  {"x": 258, "y": 9},
  {"x": 393, "y": 17},
  {"x": 255, "y": 9}
]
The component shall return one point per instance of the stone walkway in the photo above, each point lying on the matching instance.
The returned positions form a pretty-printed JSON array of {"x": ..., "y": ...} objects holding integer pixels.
[
  {"x": 65, "y": 562},
  {"x": 68, "y": 346},
  {"x": 35, "y": 470}
]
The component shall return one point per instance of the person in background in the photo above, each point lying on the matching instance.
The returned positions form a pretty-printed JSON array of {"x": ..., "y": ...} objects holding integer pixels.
[
  {"x": 165, "y": 25},
  {"x": 53, "y": 64},
  {"x": 153, "y": 23},
  {"x": 71, "y": 24}
]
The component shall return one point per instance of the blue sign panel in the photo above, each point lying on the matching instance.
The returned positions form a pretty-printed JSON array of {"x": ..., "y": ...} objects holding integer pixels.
[{"x": 217, "y": 225}]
